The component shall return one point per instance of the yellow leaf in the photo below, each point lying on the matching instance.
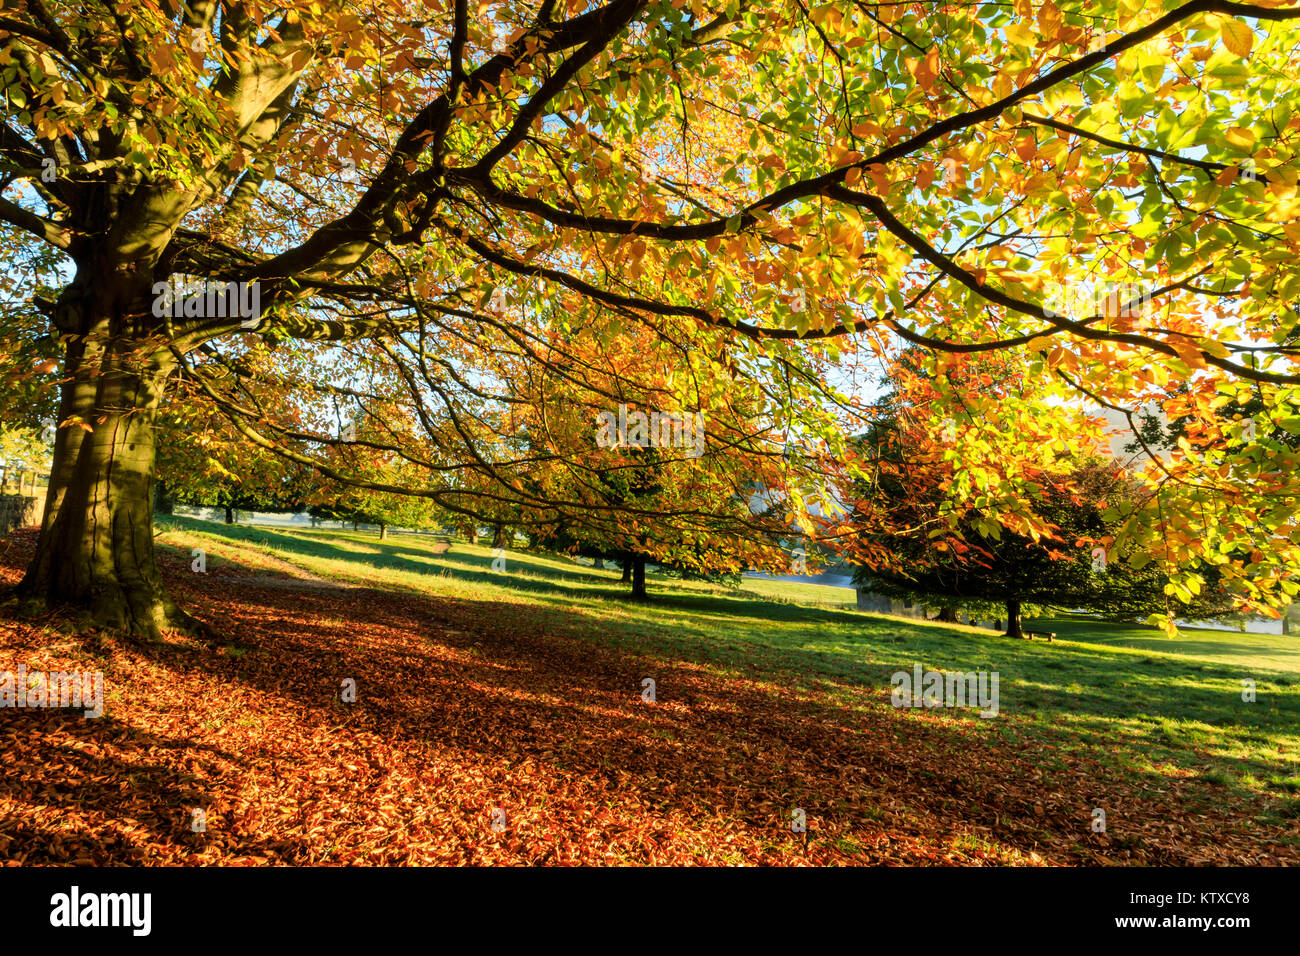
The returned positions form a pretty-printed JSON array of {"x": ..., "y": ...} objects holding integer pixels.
[
  {"x": 1240, "y": 137},
  {"x": 927, "y": 69},
  {"x": 1187, "y": 351},
  {"x": 1020, "y": 33},
  {"x": 1237, "y": 37}
]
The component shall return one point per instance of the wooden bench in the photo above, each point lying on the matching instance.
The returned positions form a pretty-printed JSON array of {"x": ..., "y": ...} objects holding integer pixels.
[{"x": 1033, "y": 634}]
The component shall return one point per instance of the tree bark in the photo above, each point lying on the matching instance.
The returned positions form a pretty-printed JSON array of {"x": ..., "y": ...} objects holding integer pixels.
[
  {"x": 638, "y": 579},
  {"x": 230, "y": 515},
  {"x": 383, "y": 532},
  {"x": 947, "y": 614},
  {"x": 502, "y": 537},
  {"x": 95, "y": 549},
  {"x": 77, "y": 398},
  {"x": 627, "y": 570},
  {"x": 163, "y": 501},
  {"x": 1013, "y": 618}
]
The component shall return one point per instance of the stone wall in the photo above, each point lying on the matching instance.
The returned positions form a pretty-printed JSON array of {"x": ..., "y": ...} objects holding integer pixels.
[{"x": 19, "y": 511}]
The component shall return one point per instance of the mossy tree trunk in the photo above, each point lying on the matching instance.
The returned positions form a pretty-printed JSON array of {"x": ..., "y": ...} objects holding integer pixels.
[{"x": 95, "y": 550}]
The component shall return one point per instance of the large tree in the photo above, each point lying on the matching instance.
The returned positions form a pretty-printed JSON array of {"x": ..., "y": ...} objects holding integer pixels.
[
  {"x": 1073, "y": 566},
  {"x": 443, "y": 210}
]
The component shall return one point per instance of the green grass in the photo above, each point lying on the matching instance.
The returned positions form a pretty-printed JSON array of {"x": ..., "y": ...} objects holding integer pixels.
[
  {"x": 1227, "y": 647},
  {"x": 1126, "y": 694}
]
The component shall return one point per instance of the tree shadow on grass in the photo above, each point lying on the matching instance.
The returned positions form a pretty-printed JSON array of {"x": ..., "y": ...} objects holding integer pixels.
[
  {"x": 1037, "y": 680},
  {"x": 480, "y": 691},
  {"x": 526, "y": 573},
  {"x": 503, "y": 687},
  {"x": 462, "y": 565}
]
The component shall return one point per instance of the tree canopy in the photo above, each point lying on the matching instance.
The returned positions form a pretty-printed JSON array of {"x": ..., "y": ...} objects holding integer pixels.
[{"x": 461, "y": 224}]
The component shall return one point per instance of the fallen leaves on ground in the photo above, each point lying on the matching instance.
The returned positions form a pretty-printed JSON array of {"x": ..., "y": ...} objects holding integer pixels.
[{"x": 484, "y": 733}]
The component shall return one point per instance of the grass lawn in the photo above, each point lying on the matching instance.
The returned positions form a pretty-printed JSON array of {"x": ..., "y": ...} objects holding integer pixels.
[
  {"x": 1174, "y": 704},
  {"x": 1271, "y": 651},
  {"x": 771, "y": 697}
]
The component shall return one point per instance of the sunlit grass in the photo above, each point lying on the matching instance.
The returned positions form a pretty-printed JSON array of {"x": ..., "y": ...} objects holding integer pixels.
[{"x": 1125, "y": 694}]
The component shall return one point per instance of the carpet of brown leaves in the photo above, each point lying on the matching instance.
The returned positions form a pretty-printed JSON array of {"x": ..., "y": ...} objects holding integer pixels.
[{"x": 466, "y": 708}]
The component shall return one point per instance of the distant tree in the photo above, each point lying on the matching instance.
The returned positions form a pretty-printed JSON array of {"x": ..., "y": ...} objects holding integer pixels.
[
  {"x": 1078, "y": 565},
  {"x": 654, "y": 486},
  {"x": 342, "y": 503},
  {"x": 23, "y": 450},
  {"x": 256, "y": 482}
]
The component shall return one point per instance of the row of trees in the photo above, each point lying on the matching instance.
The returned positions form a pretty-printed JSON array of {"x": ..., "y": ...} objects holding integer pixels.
[
  {"x": 201, "y": 463},
  {"x": 932, "y": 551}
]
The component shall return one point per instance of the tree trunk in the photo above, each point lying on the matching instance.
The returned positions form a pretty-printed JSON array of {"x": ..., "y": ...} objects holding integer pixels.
[
  {"x": 627, "y": 570},
  {"x": 1013, "y": 618},
  {"x": 230, "y": 515},
  {"x": 638, "y": 579},
  {"x": 163, "y": 501},
  {"x": 383, "y": 532},
  {"x": 947, "y": 614},
  {"x": 77, "y": 397},
  {"x": 501, "y": 538},
  {"x": 95, "y": 550}
]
